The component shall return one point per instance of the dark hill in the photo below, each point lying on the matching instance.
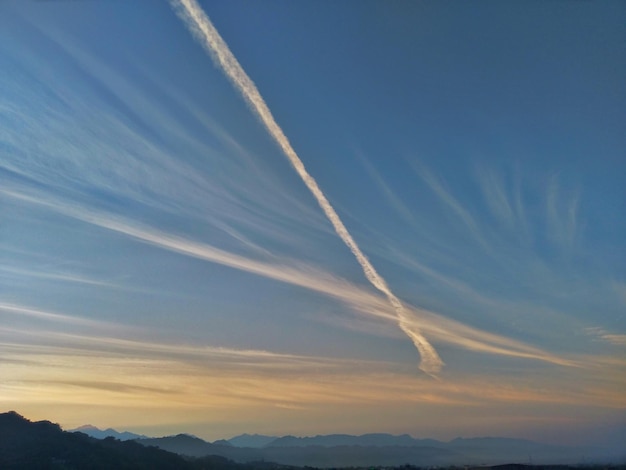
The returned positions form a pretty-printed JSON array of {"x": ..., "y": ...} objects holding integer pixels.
[
  {"x": 27, "y": 445},
  {"x": 38, "y": 445}
]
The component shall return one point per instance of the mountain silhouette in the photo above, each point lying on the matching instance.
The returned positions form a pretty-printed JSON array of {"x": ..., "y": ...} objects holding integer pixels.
[{"x": 44, "y": 445}]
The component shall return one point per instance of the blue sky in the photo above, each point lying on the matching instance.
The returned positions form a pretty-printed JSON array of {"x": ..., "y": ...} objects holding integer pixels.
[{"x": 164, "y": 268}]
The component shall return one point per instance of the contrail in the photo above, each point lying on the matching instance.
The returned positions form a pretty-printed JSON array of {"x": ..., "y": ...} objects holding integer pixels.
[{"x": 202, "y": 28}]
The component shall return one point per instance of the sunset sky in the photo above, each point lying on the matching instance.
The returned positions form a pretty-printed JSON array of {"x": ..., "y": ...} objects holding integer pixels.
[{"x": 460, "y": 270}]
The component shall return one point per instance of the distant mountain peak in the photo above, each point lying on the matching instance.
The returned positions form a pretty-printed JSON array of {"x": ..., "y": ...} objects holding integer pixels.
[
  {"x": 97, "y": 433},
  {"x": 255, "y": 441},
  {"x": 184, "y": 435},
  {"x": 222, "y": 442},
  {"x": 86, "y": 427}
]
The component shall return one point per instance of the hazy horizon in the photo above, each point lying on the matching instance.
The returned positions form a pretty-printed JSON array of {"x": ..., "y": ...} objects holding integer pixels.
[
  {"x": 608, "y": 439},
  {"x": 306, "y": 218}
]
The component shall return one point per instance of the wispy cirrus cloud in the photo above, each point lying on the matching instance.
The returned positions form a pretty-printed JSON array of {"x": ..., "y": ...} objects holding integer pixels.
[
  {"x": 561, "y": 214},
  {"x": 55, "y": 275},
  {"x": 449, "y": 200},
  {"x": 496, "y": 197},
  {"x": 69, "y": 151},
  {"x": 618, "y": 340},
  {"x": 296, "y": 273},
  {"x": 615, "y": 339}
]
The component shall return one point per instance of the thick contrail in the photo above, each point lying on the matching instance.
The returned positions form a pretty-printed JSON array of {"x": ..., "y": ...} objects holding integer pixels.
[{"x": 200, "y": 25}]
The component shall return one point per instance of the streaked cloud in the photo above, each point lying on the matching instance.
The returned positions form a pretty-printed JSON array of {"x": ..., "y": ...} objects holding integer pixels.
[
  {"x": 12, "y": 309},
  {"x": 561, "y": 214},
  {"x": 496, "y": 197},
  {"x": 446, "y": 196},
  {"x": 604, "y": 335}
]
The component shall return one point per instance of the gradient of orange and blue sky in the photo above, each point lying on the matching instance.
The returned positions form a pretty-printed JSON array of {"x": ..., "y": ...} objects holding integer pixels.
[{"x": 163, "y": 268}]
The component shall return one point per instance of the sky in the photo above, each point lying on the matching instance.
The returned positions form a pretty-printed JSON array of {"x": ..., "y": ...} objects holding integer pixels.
[{"x": 315, "y": 217}]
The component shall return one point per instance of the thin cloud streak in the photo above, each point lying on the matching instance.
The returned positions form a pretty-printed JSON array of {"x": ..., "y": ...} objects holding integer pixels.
[
  {"x": 615, "y": 339},
  {"x": 75, "y": 347},
  {"x": 55, "y": 276},
  {"x": 496, "y": 197},
  {"x": 200, "y": 25},
  {"x": 52, "y": 316},
  {"x": 449, "y": 200},
  {"x": 561, "y": 215}
]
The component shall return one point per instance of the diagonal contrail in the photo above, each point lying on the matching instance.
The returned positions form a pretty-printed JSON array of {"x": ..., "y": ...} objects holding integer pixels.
[{"x": 200, "y": 25}]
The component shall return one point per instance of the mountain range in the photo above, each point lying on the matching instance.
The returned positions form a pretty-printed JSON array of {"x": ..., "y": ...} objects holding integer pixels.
[
  {"x": 341, "y": 450},
  {"x": 25, "y": 444}
]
